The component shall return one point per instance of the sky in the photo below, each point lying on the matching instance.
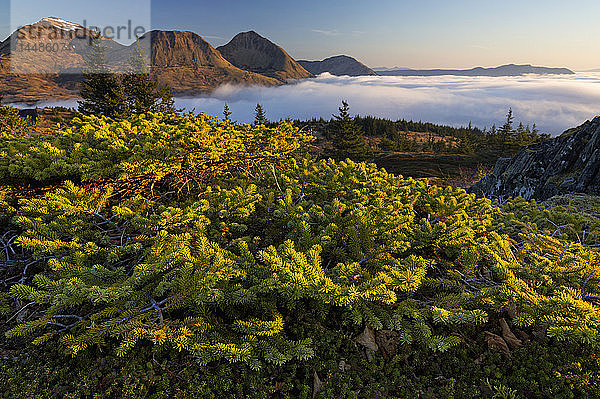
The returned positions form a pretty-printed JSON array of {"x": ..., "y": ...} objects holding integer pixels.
[{"x": 404, "y": 33}]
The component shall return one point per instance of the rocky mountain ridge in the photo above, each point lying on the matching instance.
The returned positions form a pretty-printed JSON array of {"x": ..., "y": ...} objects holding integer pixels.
[
  {"x": 183, "y": 60},
  {"x": 191, "y": 66}
]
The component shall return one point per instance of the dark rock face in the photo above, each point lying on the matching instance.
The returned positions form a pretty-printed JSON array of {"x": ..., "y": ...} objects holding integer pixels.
[
  {"x": 566, "y": 164},
  {"x": 339, "y": 65}
]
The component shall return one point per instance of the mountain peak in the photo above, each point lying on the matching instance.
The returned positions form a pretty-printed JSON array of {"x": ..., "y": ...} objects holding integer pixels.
[
  {"x": 187, "y": 63},
  {"x": 171, "y": 48},
  {"x": 59, "y": 22},
  {"x": 250, "y": 33},
  {"x": 253, "y": 52}
]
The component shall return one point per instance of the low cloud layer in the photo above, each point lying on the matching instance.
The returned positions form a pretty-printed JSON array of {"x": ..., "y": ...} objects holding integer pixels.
[{"x": 554, "y": 103}]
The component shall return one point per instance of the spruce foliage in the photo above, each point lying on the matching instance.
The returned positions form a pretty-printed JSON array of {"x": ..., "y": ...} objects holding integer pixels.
[
  {"x": 226, "y": 249},
  {"x": 12, "y": 124},
  {"x": 144, "y": 149},
  {"x": 101, "y": 91},
  {"x": 115, "y": 96},
  {"x": 226, "y": 112},
  {"x": 142, "y": 91},
  {"x": 347, "y": 135},
  {"x": 260, "y": 118},
  {"x": 223, "y": 276}
]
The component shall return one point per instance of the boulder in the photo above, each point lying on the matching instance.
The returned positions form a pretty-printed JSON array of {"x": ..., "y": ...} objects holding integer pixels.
[{"x": 566, "y": 164}]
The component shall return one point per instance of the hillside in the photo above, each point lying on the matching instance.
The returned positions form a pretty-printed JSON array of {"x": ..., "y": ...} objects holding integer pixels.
[
  {"x": 339, "y": 65},
  {"x": 190, "y": 65},
  {"x": 54, "y": 46},
  {"x": 32, "y": 88},
  {"x": 252, "y": 52},
  {"x": 29, "y": 75},
  {"x": 504, "y": 70},
  {"x": 183, "y": 60}
]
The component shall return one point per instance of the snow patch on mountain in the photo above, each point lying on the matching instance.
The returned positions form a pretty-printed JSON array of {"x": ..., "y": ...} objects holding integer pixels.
[{"x": 62, "y": 24}]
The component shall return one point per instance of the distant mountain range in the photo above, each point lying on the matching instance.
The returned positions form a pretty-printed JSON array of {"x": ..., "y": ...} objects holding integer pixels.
[
  {"x": 183, "y": 60},
  {"x": 339, "y": 65},
  {"x": 384, "y": 69},
  {"x": 504, "y": 70}
]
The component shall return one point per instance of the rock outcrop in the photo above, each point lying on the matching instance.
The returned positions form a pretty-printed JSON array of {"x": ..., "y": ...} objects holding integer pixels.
[
  {"x": 566, "y": 164},
  {"x": 340, "y": 65},
  {"x": 252, "y": 52}
]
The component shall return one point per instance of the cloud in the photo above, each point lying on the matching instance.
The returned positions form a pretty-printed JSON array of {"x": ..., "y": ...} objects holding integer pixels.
[
  {"x": 554, "y": 103},
  {"x": 326, "y": 32}
]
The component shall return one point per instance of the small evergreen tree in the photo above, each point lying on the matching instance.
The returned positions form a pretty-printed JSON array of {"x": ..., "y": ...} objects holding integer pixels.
[
  {"x": 348, "y": 136},
  {"x": 260, "y": 116},
  {"x": 142, "y": 91},
  {"x": 226, "y": 112},
  {"x": 507, "y": 132},
  {"x": 101, "y": 91}
]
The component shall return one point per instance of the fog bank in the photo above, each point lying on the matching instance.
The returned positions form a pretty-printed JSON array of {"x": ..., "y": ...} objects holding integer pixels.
[{"x": 554, "y": 103}]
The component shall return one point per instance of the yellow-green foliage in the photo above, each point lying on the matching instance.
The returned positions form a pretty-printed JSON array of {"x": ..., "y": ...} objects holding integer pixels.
[
  {"x": 149, "y": 147},
  {"x": 572, "y": 219},
  {"x": 225, "y": 273},
  {"x": 233, "y": 267},
  {"x": 12, "y": 125}
]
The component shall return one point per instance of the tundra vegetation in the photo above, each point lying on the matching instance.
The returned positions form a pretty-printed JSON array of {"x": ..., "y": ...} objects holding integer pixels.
[{"x": 164, "y": 255}]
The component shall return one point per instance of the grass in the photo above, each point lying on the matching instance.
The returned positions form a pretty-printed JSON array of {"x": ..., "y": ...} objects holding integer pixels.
[{"x": 457, "y": 170}]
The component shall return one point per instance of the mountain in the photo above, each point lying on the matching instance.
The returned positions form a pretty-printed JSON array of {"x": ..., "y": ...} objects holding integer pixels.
[
  {"x": 396, "y": 68},
  {"x": 28, "y": 75},
  {"x": 32, "y": 88},
  {"x": 55, "y": 46},
  {"x": 563, "y": 165},
  {"x": 340, "y": 65},
  {"x": 504, "y": 70},
  {"x": 183, "y": 60},
  {"x": 252, "y": 52},
  {"x": 190, "y": 65},
  {"x": 182, "y": 49}
]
